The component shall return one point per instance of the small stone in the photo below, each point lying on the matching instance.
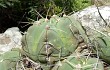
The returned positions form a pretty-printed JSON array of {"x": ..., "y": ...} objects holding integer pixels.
[{"x": 11, "y": 38}]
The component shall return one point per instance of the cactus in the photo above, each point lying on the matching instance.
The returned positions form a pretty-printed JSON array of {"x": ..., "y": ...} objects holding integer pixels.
[
  {"x": 101, "y": 41},
  {"x": 49, "y": 44},
  {"x": 51, "y": 40},
  {"x": 8, "y": 60},
  {"x": 75, "y": 62}
]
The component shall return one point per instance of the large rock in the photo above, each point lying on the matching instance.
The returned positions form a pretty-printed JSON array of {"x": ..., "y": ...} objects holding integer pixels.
[
  {"x": 91, "y": 20},
  {"x": 90, "y": 16},
  {"x": 11, "y": 38}
]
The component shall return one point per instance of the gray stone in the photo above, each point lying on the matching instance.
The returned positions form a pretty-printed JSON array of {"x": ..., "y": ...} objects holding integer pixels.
[
  {"x": 90, "y": 17},
  {"x": 92, "y": 21},
  {"x": 11, "y": 38}
]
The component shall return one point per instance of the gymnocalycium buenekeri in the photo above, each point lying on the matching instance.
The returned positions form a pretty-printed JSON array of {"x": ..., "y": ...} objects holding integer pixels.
[{"x": 50, "y": 40}]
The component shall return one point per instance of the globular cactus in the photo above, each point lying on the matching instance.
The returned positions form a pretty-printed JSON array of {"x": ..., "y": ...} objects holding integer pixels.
[
  {"x": 53, "y": 39},
  {"x": 8, "y": 60},
  {"x": 101, "y": 42},
  {"x": 78, "y": 62}
]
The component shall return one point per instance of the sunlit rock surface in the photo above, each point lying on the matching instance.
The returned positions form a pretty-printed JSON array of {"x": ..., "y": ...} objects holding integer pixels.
[
  {"x": 90, "y": 17},
  {"x": 92, "y": 21},
  {"x": 11, "y": 38}
]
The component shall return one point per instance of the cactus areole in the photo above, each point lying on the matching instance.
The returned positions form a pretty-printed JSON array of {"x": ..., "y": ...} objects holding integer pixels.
[{"x": 49, "y": 41}]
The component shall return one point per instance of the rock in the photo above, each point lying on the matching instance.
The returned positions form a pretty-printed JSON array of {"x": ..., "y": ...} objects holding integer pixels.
[
  {"x": 89, "y": 17},
  {"x": 11, "y": 38},
  {"x": 92, "y": 21}
]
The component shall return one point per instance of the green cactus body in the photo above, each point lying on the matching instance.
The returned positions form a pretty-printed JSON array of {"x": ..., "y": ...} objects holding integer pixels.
[
  {"x": 101, "y": 43},
  {"x": 50, "y": 40},
  {"x": 79, "y": 63},
  {"x": 8, "y": 60},
  {"x": 81, "y": 29},
  {"x": 101, "y": 47}
]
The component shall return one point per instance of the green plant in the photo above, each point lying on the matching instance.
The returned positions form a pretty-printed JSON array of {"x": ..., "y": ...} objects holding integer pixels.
[
  {"x": 50, "y": 40},
  {"x": 50, "y": 44},
  {"x": 80, "y": 4},
  {"x": 52, "y": 7},
  {"x": 9, "y": 59},
  {"x": 49, "y": 7},
  {"x": 14, "y": 12},
  {"x": 101, "y": 41},
  {"x": 79, "y": 62}
]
